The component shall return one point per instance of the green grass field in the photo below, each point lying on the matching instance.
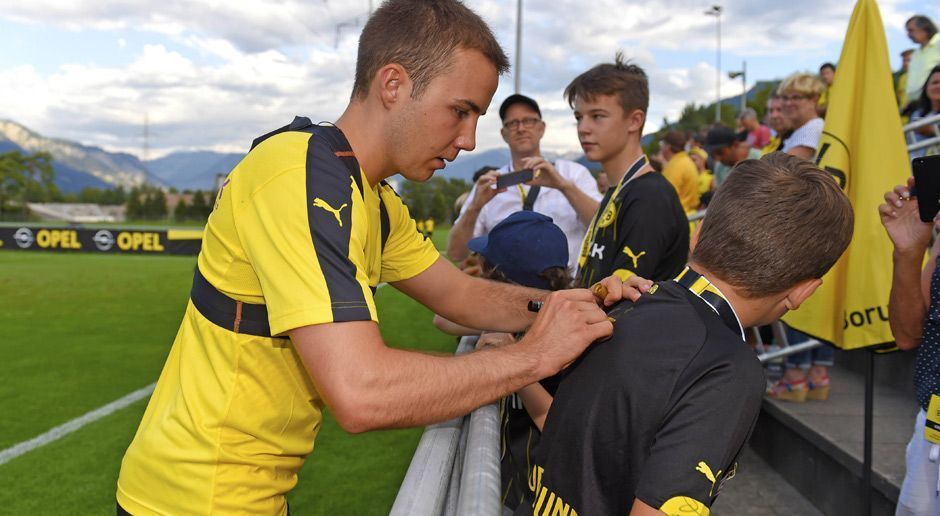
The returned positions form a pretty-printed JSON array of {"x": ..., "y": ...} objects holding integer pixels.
[{"x": 82, "y": 330}]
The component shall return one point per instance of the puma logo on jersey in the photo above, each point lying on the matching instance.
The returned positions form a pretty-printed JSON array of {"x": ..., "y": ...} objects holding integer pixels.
[
  {"x": 320, "y": 203},
  {"x": 634, "y": 257},
  {"x": 705, "y": 470},
  {"x": 597, "y": 251}
]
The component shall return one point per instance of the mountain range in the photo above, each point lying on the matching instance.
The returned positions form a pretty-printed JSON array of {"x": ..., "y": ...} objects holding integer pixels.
[{"x": 78, "y": 165}]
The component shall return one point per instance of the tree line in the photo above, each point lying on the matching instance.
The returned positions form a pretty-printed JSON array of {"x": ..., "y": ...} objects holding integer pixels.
[
  {"x": 26, "y": 178},
  {"x": 433, "y": 199}
]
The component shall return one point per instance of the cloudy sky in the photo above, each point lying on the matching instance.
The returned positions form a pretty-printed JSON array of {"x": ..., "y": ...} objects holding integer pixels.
[{"x": 213, "y": 75}]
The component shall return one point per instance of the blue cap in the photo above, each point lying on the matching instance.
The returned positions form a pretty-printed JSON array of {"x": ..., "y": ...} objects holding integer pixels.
[{"x": 522, "y": 246}]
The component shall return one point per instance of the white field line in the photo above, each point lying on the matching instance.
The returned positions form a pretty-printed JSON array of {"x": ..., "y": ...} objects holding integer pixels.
[
  {"x": 68, "y": 427},
  {"x": 73, "y": 425}
]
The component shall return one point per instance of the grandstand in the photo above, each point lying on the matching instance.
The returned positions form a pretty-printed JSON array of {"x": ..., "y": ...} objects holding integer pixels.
[{"x": 76, "y": 212}]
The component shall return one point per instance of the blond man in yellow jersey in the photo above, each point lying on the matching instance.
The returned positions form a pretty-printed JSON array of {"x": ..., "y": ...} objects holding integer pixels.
[{"x": 281, "y": 321}]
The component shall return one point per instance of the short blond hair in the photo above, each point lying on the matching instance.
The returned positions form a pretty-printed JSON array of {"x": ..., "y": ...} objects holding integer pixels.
[{"x": 802, "y": 84}]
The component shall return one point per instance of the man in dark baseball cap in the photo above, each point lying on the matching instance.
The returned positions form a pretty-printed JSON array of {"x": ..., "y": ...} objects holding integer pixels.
[
  {"x": 727, "y": 148},
  {"x": 562, "y": 190},
  {"x": 517, "y": 98}
]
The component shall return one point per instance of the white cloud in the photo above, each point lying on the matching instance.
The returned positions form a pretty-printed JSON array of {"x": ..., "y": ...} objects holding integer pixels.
[{"x": 216, "y": 74}]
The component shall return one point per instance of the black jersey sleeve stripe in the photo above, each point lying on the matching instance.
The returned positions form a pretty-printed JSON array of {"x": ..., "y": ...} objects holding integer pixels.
[
  {"x": 329, "y": 214},
  {"x": 386, "y": 226},
  {"x": 343, "y": 151},
  {"x": 300, "y": 123}
]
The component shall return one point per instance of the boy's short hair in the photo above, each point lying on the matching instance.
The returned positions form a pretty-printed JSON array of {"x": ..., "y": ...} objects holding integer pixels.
[
  {"x": 675, "y": 140},
  {"x": 773, "y": 223},
  {"x": 827, "y": 65},
  {"x": 421, "y": 36},
  {"x": 625, "y": 80}
]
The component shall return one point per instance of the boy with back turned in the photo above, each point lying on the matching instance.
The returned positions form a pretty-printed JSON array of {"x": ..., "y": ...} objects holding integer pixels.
[{"x": 651, "y": 421}]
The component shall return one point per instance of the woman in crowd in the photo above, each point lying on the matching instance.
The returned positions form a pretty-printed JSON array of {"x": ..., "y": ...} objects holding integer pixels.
[
  {"x": 928, "y": 105},
  {"x": 807, "y": 374},
  {"x": 800, "y": 93}
]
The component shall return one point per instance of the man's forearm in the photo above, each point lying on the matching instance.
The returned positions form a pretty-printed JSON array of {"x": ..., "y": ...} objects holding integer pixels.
[
  {"x": 407, "y": 389},
  {"x": 461, "y": 233},
  {"x": 907, "y": 306},
  {"x": 494, "y": 306},
  {"x": 368, "y": 385},
  {"x": 582, "y": 203}
]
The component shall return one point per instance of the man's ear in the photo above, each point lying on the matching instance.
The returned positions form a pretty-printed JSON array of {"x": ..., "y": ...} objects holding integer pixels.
[
  {"x": 636, "y": 119},
  {"x": 801, "y": 292},
  {"x": 392, "y": 83}
]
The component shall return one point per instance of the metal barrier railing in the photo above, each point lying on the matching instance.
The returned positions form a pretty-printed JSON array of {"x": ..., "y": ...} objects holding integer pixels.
[
  {"x": 913, "y": 145},
  {"x": 455, "y": 468},
  {"x": 784, "y": 348}
]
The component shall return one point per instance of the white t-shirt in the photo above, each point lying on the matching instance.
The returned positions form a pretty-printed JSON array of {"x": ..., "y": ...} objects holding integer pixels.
[
  {"x": 550, "y": 202},
  {"x": 806, "y": 136}
]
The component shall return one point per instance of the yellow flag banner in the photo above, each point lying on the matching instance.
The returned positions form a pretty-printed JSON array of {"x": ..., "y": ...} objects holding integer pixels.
[{"x": 863, "y": 147}]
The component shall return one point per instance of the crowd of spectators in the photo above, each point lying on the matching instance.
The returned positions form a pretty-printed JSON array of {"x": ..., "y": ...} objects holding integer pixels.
[{"x": 695, "y": 163}]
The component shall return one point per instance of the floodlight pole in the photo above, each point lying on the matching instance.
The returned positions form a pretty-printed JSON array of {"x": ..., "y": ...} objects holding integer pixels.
[
  {"x": 517, "y": 73},
  {"x": 743, "y": 75},
  {"x": 716, "y": 12}
]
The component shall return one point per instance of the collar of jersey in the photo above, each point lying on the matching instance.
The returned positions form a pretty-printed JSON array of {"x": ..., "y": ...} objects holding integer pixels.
[
  {"x": 629, "y": 175},
  {"x": 712, "y": 295}
]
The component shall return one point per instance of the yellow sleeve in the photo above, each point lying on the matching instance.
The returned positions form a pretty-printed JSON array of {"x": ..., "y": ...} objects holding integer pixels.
[
  {"x": 406, "y": 252},
  {"x": 303, "y": 232},
  {"x": 673, "y": 173}
]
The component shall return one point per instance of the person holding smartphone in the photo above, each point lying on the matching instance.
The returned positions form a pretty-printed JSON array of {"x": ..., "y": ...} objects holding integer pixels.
[
  {"x": 914, "y": 315},
  {"x": 560, "y": 189}
]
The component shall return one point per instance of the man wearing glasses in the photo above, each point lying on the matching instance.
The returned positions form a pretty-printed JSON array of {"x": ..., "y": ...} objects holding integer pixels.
[{"x": 562, "y": 190}]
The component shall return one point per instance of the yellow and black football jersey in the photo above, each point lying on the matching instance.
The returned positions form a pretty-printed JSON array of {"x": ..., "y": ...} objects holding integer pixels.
[
  {"x": 659, "y": 412},
  {"x": 640, "y": 228},
  {"x": 297, "y": 237}
]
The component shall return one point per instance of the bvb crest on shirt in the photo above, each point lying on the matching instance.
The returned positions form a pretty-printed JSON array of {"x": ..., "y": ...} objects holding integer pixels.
[{"x": 609, "y": 215}]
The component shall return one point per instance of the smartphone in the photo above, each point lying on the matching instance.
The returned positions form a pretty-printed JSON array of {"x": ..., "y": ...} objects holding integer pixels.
[
  {"x": 927, "y": 183},
  {"x": 514, "y": 178}
]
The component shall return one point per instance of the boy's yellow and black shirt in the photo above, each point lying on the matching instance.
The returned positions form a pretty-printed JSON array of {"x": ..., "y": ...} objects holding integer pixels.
[
  {"x": 296, "y": 228},
  {"x": 640, "y": 229},
  {"x": 659, "y": 412}
]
